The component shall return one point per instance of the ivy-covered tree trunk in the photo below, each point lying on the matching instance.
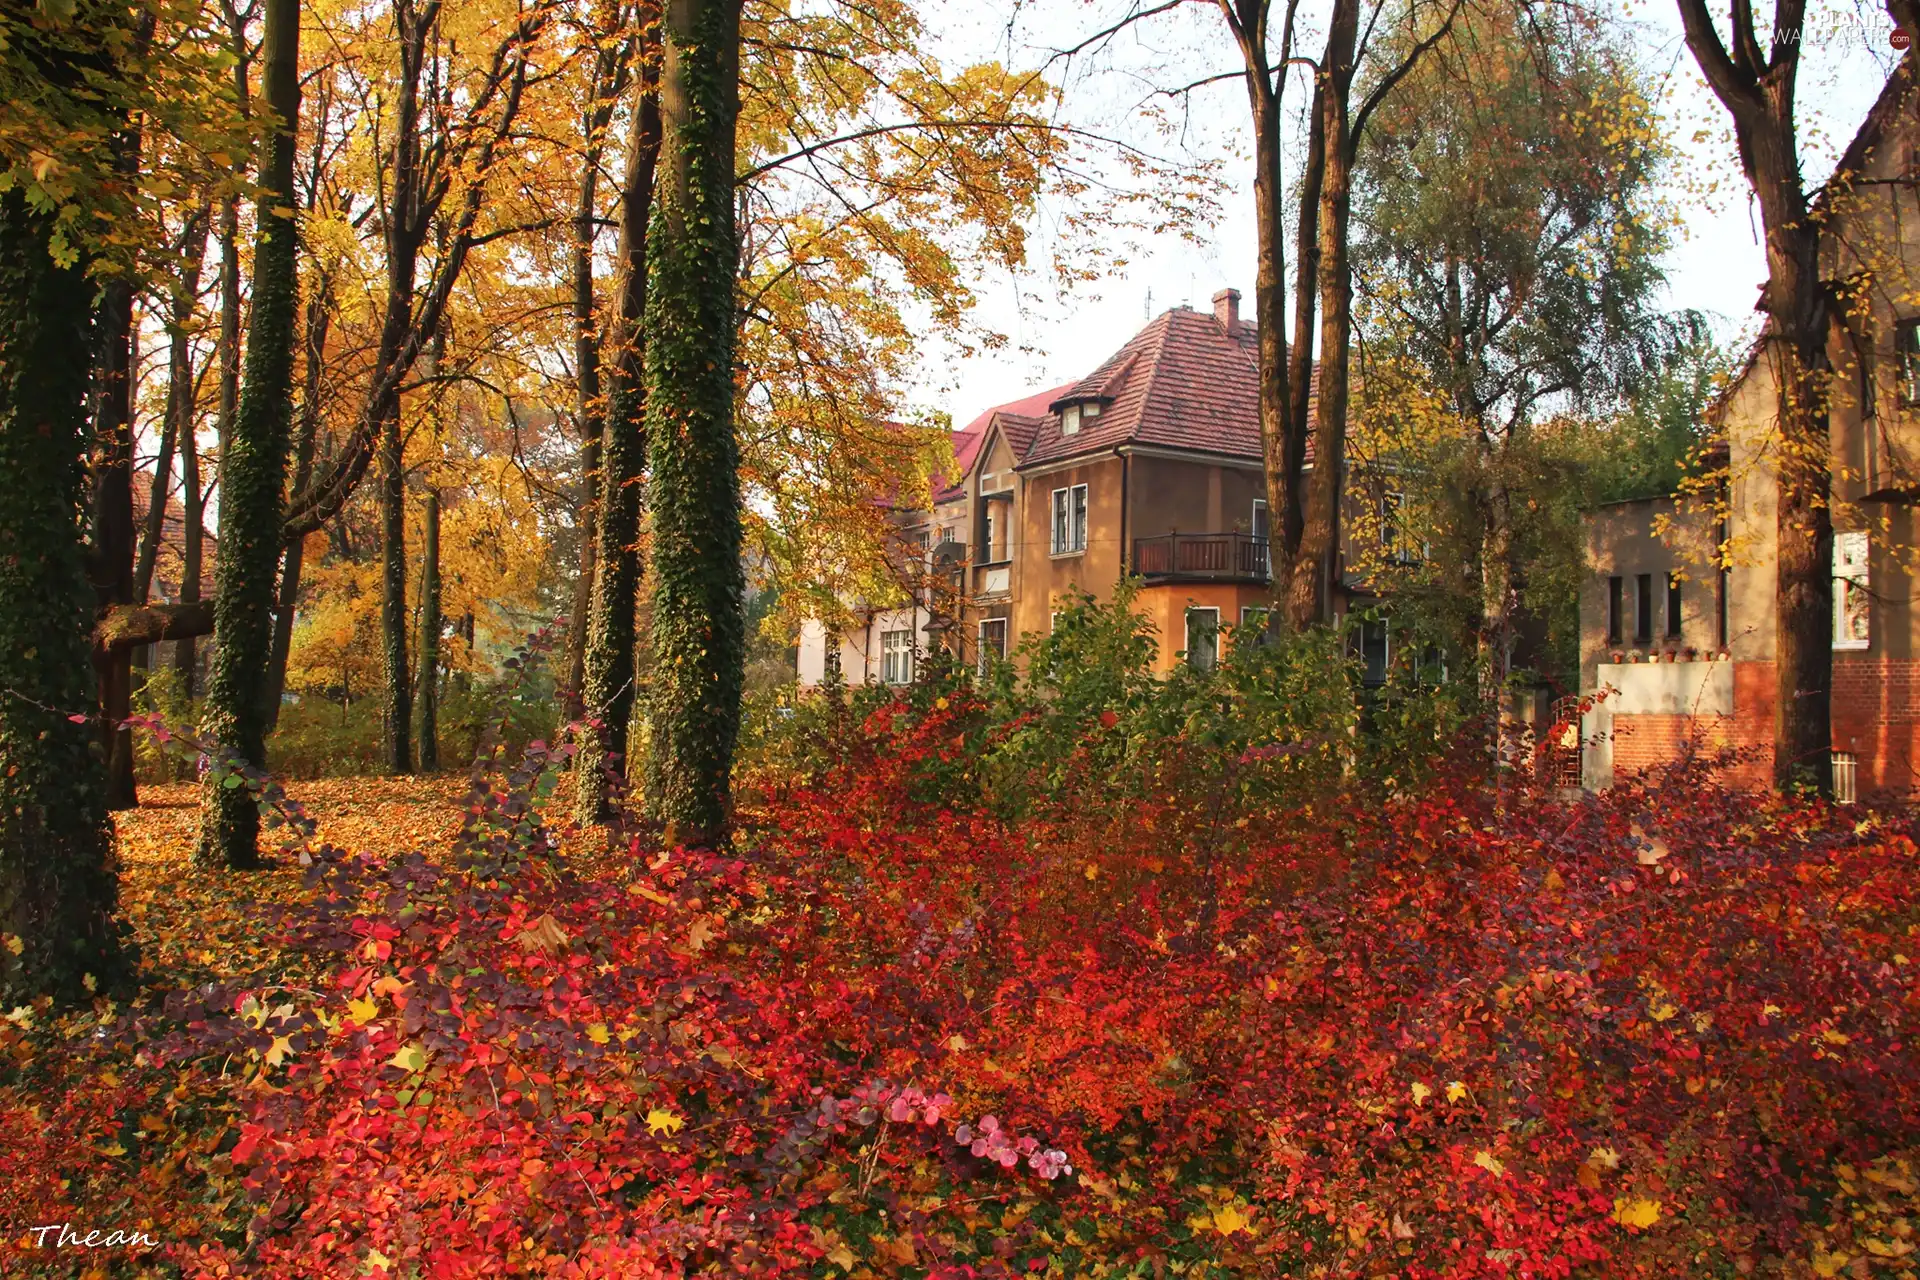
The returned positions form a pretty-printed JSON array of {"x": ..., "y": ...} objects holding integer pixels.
[
  {"x": 57, "y": 885},
  {"x": 430, "y": 637},
  {"x": 699, "y": 632},
  {"x": 398, "y": 746},
  {"x": 607, "y": 691},
  {"x": 253, "y": 469},
  {"x": 293, "y": 558},
  {"x": 112, "y": 552}
]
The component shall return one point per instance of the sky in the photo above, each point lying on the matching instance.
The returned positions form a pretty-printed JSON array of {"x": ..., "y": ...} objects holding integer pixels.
[{"x": 1715, "y": 264}]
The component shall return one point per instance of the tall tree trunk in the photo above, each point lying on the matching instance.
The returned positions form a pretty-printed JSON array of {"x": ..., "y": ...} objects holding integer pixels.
[
  {"x": 113, "y": 531},
  {"x": 607, "y": 689},
  {"x": 113, "y": 535},
  {"x": 1757, "y": 87},
  {"x": 1248, "y": 20},
  {"x": 588, "y": 408},
  {"x": 293, "y": 558},
  {"x": 699, "y": 631},
  {"x": 1309, "y": 592},
  {"x": 57, "y": 885},
  {"x": 398, "y": 717},
  {"x": 180, "y": 402},
  {"x": 253, "y": 469},
  {"x": 430, "y": 637}
]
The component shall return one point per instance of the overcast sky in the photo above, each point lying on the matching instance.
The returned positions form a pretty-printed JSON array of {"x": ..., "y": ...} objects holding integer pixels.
[{"x": 1715, "y": 265}]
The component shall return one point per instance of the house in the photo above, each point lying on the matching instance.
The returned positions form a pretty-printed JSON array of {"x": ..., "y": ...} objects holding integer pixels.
[
  {"x": 1151, "y": 464},
  {"x": 1677, "y": 611}
]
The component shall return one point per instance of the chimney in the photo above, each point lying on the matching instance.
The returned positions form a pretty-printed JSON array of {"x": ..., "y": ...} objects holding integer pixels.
[{"x": 1226, "y": 309}]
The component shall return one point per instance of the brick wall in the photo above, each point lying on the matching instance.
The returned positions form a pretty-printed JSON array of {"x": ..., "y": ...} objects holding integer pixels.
[{"x": 1876, "y": 716}]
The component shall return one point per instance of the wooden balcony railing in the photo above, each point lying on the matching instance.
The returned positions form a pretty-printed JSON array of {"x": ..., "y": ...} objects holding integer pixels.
[{"x": 1205, "y": 557}]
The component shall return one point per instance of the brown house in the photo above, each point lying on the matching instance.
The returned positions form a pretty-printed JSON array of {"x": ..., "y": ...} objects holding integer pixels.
[
  {"x": 1677, "y": 614},
  {"x": 1151, "y": 464}
]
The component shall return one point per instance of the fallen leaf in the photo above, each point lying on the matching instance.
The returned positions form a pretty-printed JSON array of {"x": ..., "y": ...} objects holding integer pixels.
[
  {"x": 544, "y": 935},
  {"x": 660, "y": 1120},
  {"x": 1636, "y": 1211}
]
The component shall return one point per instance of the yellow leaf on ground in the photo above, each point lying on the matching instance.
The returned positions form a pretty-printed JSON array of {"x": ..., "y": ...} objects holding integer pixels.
[
  {"x": 1420, "y": 1093},
  {"x": 363, "y": 1011},
  {"x": 598, "y": 1033},
  {"x": 410, "y": 1058},
  {"x": 1456, "y": 1091},
  {"x": 660, "y": 1121},
  {"x": 1491, "y": 1163},
  {"x": 1636, "y": 1211},
  {"x": 1228, "y": 1219}
]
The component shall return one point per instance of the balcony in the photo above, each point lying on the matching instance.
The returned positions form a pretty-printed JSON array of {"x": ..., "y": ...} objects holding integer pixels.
[{"x": 1201, "y": 557}]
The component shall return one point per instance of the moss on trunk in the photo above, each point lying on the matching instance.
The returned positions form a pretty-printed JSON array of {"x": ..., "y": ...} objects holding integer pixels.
[
  {"x": 699, "y": 631},
  {"x": 57, "y": 885}
]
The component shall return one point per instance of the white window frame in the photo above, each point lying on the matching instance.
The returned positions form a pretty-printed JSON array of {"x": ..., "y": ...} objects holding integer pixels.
[
  {"x": 1906, "y": 355},
  {"x": 1213, "y": 662},
  {"x": 896, "y": 656},
  {"x": 1070, "y": 420},
  {"x": 1852, "y": 597},
  {"x": 1067, "y": 532},
  {"x": 985, "y": 657}
]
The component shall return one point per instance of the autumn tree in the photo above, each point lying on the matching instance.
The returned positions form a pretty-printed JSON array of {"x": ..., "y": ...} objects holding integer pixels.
[
  {"x": 1295, "y": 404},
  {"x": 1755, "y": 74},
  {"x": 694, "y": 498},
  {"x": 253, "y": 462},
  {"x": 619, "y": 407},
  {"x": 57, "y": 886},
  {"x": 1507, "y": 244}
]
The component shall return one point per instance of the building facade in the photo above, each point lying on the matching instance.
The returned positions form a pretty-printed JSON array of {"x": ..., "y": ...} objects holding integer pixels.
[
  {"x": 1149, "y": 465},
  {"x": 1678, "y": 621}
]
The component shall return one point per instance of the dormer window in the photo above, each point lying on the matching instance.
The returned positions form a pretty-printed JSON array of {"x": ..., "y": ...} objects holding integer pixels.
[{"x": 1074, "y": 416}]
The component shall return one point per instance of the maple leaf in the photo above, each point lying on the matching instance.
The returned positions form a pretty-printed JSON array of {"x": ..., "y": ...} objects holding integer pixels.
[
  {"x": 277, "y": 1052},
  {"x": 598, "y": 1033},
  {"x": 410, "y": 1058},
  {"x": 1491, "y": 1163},
  {"x": 660, "y": 1120},
  {"x": 698, "y": 935},
  {"x": 1228, "y": 1219},
  {"x": 1420, "y": 1093},
  {"x": 363, "y": 1011},
  {"x": 1456, "y": 1090},
  {"x": 1636, "y": 1211}
]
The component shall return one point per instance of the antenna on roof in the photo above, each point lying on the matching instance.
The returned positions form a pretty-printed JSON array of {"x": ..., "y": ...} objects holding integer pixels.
[{"x": 1149, "y": 312}]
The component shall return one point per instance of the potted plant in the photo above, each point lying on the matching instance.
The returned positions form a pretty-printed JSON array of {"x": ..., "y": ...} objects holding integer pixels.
[
  {"x": 1690, "y": 654},
  {"x": 1619, "y": 656}
]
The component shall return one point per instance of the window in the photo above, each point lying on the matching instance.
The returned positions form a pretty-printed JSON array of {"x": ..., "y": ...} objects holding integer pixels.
[
  {"x": 1070, "y": 420},
  {"x": 993, "y": 643},
  {"x": 1852, "y": 601},
  {"x": 1643, "y": 609},
  {"x": 1906, "y": 344},
  {"x": 1262, "y": 528},
  {"x": 1673, "y": 606},
  {"x": 1253, "y": 626},
  {"x": 896, "y": 657},
  {"x": 1616, "y": 603},
  {"x": 1070, "y": 520},
  {"x": 1373, "y": 652},
  {"x": 1090, "y": 410},
  {"x": 1203, "y": 638}
]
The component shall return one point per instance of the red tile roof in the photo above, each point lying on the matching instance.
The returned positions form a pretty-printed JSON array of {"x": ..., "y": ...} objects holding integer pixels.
[
  {"x": 1183, "y": 382},
  {"x": 1019, "y": 420}
]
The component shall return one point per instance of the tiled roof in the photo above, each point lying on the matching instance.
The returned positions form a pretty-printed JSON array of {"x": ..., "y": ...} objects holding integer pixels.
[
  {"x": 1019, "y": 420},
  {"x": 1183, "y": 382}
]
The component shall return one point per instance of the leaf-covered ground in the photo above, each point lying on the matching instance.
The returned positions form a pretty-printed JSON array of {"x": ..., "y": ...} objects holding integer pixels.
[{"x": 1271, "y": 1030}]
